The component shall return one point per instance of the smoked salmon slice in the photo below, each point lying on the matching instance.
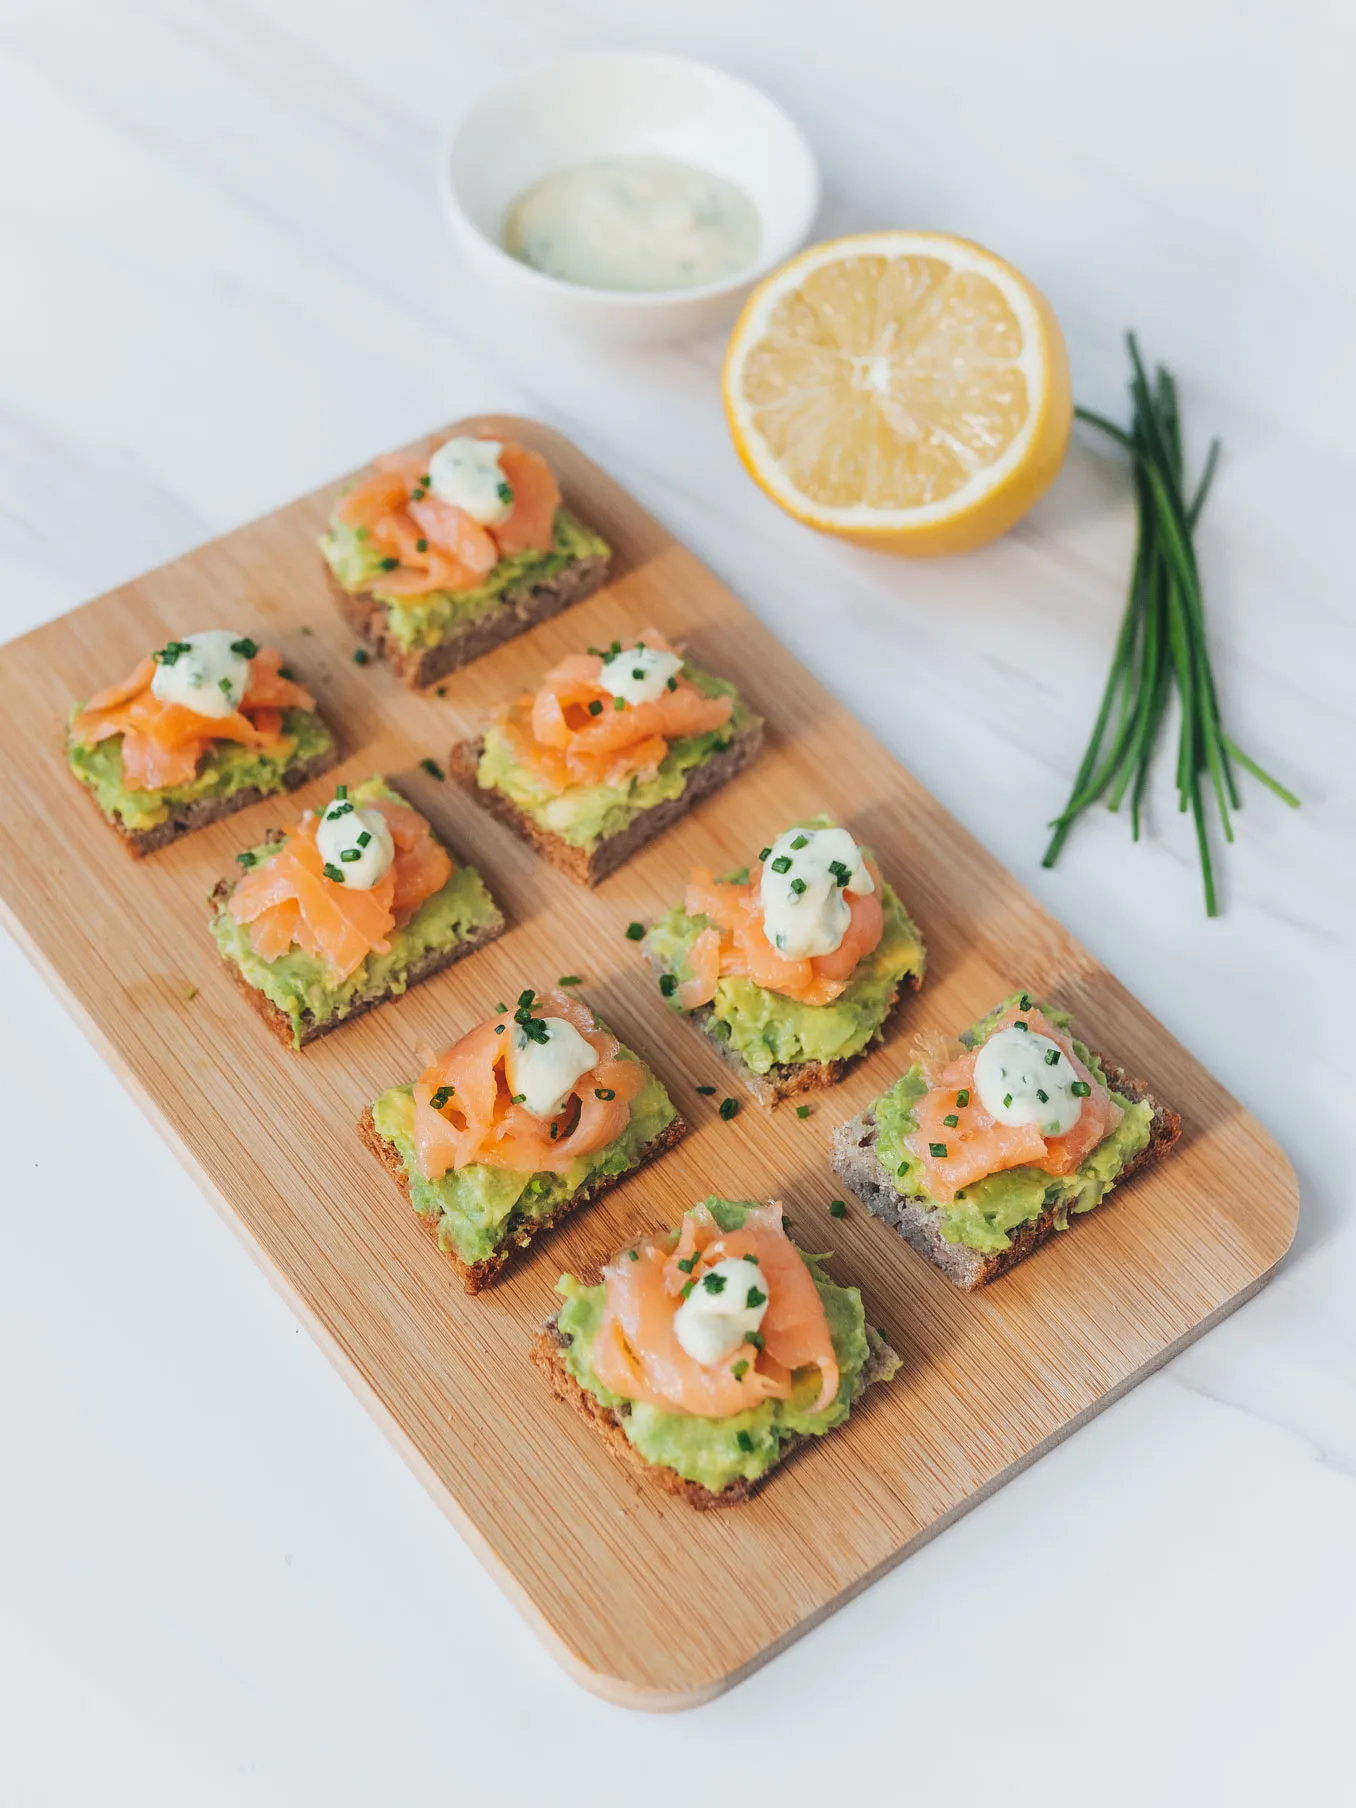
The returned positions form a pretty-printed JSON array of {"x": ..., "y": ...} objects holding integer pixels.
[
  {"x": 977, "y": 1145},
  {"x": 163, "y": 743},
  {"x": 735, "y": 942},
  {"x": 573, "y": 731},
  {"x": 464, "y": 1114},
  {"x": 288, "y": 902},
  {"x": 436, "y": 545},
  {"x": 637, "y": 1354}
]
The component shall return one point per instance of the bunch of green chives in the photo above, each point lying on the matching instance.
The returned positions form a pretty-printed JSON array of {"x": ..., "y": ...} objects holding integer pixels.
[{"x": 1162, "y": 643}]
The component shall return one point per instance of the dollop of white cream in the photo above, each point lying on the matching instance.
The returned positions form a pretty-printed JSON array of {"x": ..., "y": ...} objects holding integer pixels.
[
  {"x": 542, "y": 1075},
  {"x": 1024, "y": 1078},
  {"x": 467, "y": 473},
  {"x": 805, "y": 874},
  {"x": 727, "y": 1303},
  {"x": 639, "y": 674},
  {"x": 355, "y": 843},
  {"x": 208, "y": 673}
]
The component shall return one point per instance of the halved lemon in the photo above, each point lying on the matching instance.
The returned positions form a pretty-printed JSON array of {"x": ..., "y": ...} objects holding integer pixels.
[{"x": 904, "y": 389}]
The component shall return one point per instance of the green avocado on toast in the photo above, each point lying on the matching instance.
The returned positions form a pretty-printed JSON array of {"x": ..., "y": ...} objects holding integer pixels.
[{"x": 673, "y": 1420}]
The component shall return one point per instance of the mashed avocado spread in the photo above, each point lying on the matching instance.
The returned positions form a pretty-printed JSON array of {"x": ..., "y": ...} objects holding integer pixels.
[
  {"x": 766, "y": 1029},
  {"x": 716, "y": 1452},
  {"x": 587, "y": 814},
  {"x": 474, "y": 1208},
  {"x": 300, "y": 985},
  {"x": 422, "y": 621},
  {"x": 225, "y": 769},
  {"x": 982, "y": 1215}
]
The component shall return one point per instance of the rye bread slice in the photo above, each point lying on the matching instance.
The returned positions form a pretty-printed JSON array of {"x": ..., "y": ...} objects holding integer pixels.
[
  {"x": 521, "y": 607},
  {"x": 205, "y": 810},
  {"x": 784, "y": 1079},
  {"x": 279, "y": 1024},
  {"x": 517, "y": 1235},
  {"x": 858, "y": 1166},
  {"x": 586, "y": 866},
  {"x": 548, "y": 1353}
]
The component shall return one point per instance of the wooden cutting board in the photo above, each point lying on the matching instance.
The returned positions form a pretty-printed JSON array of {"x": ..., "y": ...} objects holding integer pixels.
[{"x": 594, "y": 1556}]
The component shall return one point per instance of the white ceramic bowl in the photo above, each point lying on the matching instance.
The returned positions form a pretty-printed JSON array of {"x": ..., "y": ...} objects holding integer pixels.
[{"x": 615, "y": 103}]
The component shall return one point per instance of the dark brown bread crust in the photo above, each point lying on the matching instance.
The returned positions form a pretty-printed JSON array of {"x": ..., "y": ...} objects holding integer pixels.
[
  {"x": 205, "y": 810},
  {"x": 279, "y": 1024},
  {"x": 547, "y": 1352},
  {"x": 858, "y": 1166},
  {"x": 587, "y": 867},
  {"x": 475, "y": 1275},
  {"x": 521, "y": 607},
  {"x": 784, "y": 1079}
]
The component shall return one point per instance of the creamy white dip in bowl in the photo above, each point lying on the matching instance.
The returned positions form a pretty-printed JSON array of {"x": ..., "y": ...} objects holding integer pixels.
[{"x": 616, "y": 105}]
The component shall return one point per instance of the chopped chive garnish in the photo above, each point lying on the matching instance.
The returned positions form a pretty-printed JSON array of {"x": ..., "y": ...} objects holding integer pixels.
[
  {"x": 504, "y": 492},
  {"x": 638, "y": 673},
  {"x": 963, "y": 1097},
  {"x": 766, "y": 851},
  {"x": 519, "y": 1098},
  {"x": 421, "y": 546},
  {"x": 1051, "y": 1056},
  {"x": 1007, "y": 1101},
  {"x": 706, "y": 1091},
  {"x": 441, "y": 1096},
  {"x": 689, "y": 1264},
  {"x": 595, "y": 708},
  {"x": 744, "y": 1441},
  {"x": 802, "y": 1111},
  {"x": 686, "y": 1289},
  {"x": 755, "y": 1297},
  {"x": 334, "y": 873},
  {"x": 838, "y": 1207},
  {"x": 248, "y": 858},
  {"x": 1080, "y": 1089},
  {"x": 634, "y": 931},
  {"x": 388, "y": 564},
  {"x": 1044, "y": 1097},
  {"x": 782, "y": 864},
  {"x": 246, "y": 648},
  {"x": 224, "y": 686},
  {"x": 619, "y": 703},
  {"x": 433, "y": 769},
  {"x": 364, "y": 838},
  {"x": 937, "y": 1151},
  {"x": 1019, "y": 1025},
  {"x": 633, "y": 1255},
  {"x": 361, "y": 655},
  {"x": 418, "y": 493},
  {"x": 286, "y": 672},
  {"x": 752, "y": 1259},
  {"x": 604, "y": 1092},
  {"x": 525, "y": 999},
  {"x": 673, "y": 684},
  {"x": 714, "y": 1283},
  {"x": 341, "y": 792},
  {"x": 349, "y": 855},
  {"x": 951, "y": 1120},
  {"x": 668, "y": 984},
  {"x": 1024, "y": 1002},
  {"x": 755, "y": 1338},
  {"x": 798, "y": 886},
  {"x": 498, "y": 1029},
  {"x": 569, "y": 979},
  {"x": 740, "y": 1369},
  {"x": 729, "y": 1108},
  {"x": 800, "y": 842},
  {"x": 440, "y": 691}
]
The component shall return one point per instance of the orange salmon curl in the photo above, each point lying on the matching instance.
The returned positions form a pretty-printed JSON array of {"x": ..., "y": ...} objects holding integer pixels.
[
  {"x": 163, "y": 743},
  {"x": 637, "y": 1353},
  {"x": 572, "y": 731},
  {"x": 737, "y": 943},
  {"x": 465, "y": 1116}
]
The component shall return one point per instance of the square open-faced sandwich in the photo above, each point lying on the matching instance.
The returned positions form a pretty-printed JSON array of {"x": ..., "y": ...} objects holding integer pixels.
[
  {"x": 988, "y": 1146},
  {"x": 792, "y": 971},
  {"x": 443, "y": 553},
  {"x": 526, "y": 1117},
  {"x": 707, "y": 1354},
  {"x": 350, "y": 907},
  {"x": 613, "y": 746},
  {"x": 205, "y": 726}
]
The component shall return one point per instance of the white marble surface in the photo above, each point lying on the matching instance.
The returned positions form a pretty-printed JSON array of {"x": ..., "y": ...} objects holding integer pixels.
[{"x": 222, "y": 279}]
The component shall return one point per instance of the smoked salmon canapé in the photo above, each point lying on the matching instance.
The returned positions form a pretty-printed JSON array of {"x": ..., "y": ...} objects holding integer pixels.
[
  {"x": 993, "y": 1142},
  {"x": 528, "y": 1116},
  {"x": 203, "y": 727},
  {"x": 450, "y": 549},
  {"x": 346, "y": 909},
  {"x": 790, "y": 966},
  {"x": 707, "y": 1354},
  {"x": 613, "y": 745}
]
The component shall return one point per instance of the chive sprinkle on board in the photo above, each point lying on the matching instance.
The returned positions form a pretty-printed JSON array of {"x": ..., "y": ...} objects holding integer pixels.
[{"x": 1162, "y": 646}]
